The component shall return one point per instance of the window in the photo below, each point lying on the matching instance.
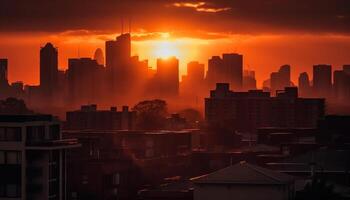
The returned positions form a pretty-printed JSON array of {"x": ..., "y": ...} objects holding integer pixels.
[
  {"x": 2, "y": 134},
  {"x": 115, "y": 179},
  {"x": 2, "y": 157},
  {"x": 54, "y": 133},
  {"x": 35, "y": 133},
  {"x": 13, "y": 157},
  {"x": 10, "y": 134},
  {"x": 13, "y": 190}
]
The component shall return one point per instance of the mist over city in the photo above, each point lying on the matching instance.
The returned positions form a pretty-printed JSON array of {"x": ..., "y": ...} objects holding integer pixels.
[{"x": 175, "y": 100}]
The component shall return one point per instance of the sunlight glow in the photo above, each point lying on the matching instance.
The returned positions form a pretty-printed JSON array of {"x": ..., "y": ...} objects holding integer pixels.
[{"x": 166, "y": 49}]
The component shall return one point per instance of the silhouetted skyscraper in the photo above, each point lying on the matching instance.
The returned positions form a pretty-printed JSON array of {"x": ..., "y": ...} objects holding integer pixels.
[
  {"x": 322, "y": 80},
  {"x": 281, "y": 79},
  {"x": 3, "y": 72},
  {"x": 341, "y": 86},
  {"x": 233, "y": 64},
  {"x": 249, "y": 81},
  {"x": 215, "y": 71},
  {"x": 98, "y": 56},
  {"x": 304, "y": 84},
  {"x": 195, "y": 71},
  {"x": 168, "y": 76},
  {"x": 85, "y": 79},
  {"x": 229, "y": 69},
  {"x": 48, "y": 69},
  {"x": 118, "y": 53}
]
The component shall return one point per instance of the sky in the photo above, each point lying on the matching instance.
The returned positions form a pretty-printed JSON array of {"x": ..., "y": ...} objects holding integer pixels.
[{"x": 269, "y": 33}]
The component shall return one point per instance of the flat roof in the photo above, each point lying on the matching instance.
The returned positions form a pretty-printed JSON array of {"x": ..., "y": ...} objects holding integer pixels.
[{"x": 25, "y": 118}]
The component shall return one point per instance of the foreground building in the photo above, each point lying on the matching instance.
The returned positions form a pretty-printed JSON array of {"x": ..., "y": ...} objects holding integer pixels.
[
  {"x": 125, "y": 161},
  {"x": 32, "y": 157},
  {"x": 244, "y": 181}
]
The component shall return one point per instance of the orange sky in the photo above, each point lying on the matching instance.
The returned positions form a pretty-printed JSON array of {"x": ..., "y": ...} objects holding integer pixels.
[{"x": 262, "y": 53}]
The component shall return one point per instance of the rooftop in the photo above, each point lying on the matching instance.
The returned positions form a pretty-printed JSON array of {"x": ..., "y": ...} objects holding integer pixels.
[
  {"x": 245, "y": 173},
  {"x": 25, "y": 118}
]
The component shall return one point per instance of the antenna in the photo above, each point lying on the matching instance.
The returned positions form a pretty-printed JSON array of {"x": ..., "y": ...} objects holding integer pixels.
[
  {"x": 129, "y": 24},
  {"x": 122, "y": 22}
]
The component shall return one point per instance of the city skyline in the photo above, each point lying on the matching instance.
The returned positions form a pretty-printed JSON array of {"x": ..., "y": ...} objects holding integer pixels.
[{"x": 253, "y": 29}]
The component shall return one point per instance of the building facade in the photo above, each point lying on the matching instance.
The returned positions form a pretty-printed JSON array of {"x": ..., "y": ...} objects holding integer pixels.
[
  {"x": 32, "y": 157},
  {"x": 246, "y": 111}
]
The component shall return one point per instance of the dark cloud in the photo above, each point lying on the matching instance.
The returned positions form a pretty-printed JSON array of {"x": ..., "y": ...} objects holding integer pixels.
[{"x": 239, "y": 16}]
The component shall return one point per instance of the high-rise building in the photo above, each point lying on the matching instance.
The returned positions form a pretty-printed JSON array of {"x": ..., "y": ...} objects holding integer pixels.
[
  {"x": 281, "y": 79},
  {"x": 168, "y": 76},
  {"x": 304, "y": 84},
  {"x": 195, "y": 71},
  {"x": 233, "y": 64},
  {"x": 118, "y": 53},
  {"x": 322, "y": 80},
  {"x": 228, "y": 69},
  {"x": 3, "y": 72},
  {"x": 249, "y": 81},
  {"x": 48, "y": 69},
  {"x": 85, "y": 80},
  {"x": 341, "y": 86},
  {"x": 98, "y": 56},
  {"x": 32, "y": 157}
]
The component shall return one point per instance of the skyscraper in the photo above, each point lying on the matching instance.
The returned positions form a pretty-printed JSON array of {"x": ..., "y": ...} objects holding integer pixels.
[
  {"x": 195, "y": 71},
  {"x": 233, "y": 64},
  {"x": 48, "y": 69},
  {"x": 322, "y": 80},
  {"x": 118, "y": 53},
  {"x": 228, "y": 69},
  {"x": 304, "y": 84},
  {"x": 85, "y": 81},
  {"x": 281, "y": 79},
  {"x": 249, "y": 81},
  {"x": 168, "y": 76},
  {"x": 341, "y": 86},
  {"x": 3, "y": 72}
]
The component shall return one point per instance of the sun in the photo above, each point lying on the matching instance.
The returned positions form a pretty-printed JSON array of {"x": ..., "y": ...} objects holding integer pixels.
[{"x": 166, "y": 49}]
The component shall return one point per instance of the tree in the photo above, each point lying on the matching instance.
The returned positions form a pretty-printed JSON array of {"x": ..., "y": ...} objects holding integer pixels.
[
  {"x": 13, "y": 106},
  {"x": 318, "y": 189},
  {"x": 151, "y": 114}
]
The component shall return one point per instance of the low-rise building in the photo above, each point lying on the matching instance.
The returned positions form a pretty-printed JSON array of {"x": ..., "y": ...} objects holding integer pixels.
[
  {"x": 244, "y": 181},
  {"x": 89, "y": 118}
]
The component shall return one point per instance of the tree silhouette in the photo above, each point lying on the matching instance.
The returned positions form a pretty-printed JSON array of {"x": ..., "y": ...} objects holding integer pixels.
[
  {"x": 318, "y": 189},
  {"x": 151, "y": 114}
]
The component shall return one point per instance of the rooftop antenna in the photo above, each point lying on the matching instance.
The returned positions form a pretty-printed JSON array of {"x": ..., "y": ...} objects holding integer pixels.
[
  {"x": 129, "y": 24},
  {"x": 122, "y": 22}
]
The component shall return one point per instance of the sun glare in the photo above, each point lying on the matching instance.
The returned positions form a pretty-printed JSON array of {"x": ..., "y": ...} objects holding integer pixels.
[{"x": 166, "y": 49}]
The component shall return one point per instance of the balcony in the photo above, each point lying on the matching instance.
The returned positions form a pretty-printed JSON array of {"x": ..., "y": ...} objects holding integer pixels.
[{"x": 53, "y": 144}]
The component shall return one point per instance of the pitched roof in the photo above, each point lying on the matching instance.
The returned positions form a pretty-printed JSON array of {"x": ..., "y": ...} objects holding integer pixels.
[{"x": 245, "y": 173}]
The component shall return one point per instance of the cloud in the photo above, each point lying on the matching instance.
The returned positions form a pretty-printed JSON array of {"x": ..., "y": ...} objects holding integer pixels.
[
  {"x": 200, "y": 6},
  {"x": 238, "y": 16}
]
